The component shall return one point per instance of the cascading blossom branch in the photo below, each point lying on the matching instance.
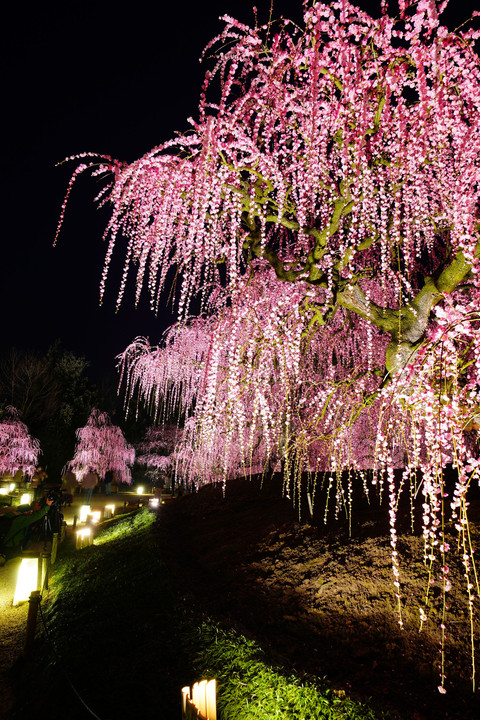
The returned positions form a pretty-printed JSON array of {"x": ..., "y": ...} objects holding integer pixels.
[
  {"x": 18, "y": 449},
  {"x": 168, "y": 377},
  {"x": 348, "y": 144},
  {"x": 439, "y": 393},
  {"x": 258, "y": 385},
  {"x": 102, "y": 446}
]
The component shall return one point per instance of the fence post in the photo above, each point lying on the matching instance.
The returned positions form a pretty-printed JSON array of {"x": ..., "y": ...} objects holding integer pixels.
[
  {"x": 33, "y": 603},
  {"x": 54, "y": 548},
  {"x": 45, "y": 565}
]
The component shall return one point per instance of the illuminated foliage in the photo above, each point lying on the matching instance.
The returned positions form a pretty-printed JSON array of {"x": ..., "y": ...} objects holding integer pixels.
[
  {"x": 102, "y": 446},
  {"x": 18, "y": 450},
  {"x": 324, "y": 213},
  {"x": 155, "y": 452}
]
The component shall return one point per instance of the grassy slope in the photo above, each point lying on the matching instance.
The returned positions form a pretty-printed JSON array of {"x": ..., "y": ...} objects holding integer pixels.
[
  {"x": 109, "y": 633},
  {"x": 120, "y": 632}
]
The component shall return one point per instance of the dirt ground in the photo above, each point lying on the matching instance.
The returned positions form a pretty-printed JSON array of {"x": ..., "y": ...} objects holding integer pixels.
[{"x": 322, "y": 599}]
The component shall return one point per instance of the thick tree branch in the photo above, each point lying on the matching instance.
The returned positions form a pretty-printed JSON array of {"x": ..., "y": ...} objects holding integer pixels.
[{"x": 407, "y": 325}]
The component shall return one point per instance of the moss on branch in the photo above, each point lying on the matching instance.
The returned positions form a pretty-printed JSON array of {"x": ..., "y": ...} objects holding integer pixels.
[{"x": 405, "y": 325}]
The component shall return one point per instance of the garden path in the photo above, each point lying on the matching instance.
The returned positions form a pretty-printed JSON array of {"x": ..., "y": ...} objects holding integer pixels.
[{"x": 13, "y": 620}]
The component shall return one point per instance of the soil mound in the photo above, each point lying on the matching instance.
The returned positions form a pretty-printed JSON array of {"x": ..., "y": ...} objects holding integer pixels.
[{"x": 320, "y": 596}]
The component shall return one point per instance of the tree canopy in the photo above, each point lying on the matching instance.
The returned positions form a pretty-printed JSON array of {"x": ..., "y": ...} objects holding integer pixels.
[
  {"x": 323, "y": 216},
  {"x": 19, "y": 451},
  {"x": 101, "y": 446},
  {"x": 325, "y": 209}
]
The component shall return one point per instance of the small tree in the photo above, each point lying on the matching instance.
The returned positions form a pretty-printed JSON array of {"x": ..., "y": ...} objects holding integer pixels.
[
  {"x": 102, "y": 446},
  {"x": 18, "y": 450},
  {"x": 156, "y": 451},
  {"x": 157, "y": 445}
]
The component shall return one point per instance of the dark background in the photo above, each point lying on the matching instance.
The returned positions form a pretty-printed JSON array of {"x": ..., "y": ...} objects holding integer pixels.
[{"x": 101, "y": 77}]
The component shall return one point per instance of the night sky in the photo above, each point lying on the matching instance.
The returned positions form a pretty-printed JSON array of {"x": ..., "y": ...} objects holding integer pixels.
[{"x": 100, "y": 77}]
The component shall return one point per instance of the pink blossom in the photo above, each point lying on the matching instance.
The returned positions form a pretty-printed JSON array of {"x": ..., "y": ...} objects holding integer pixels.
[
  {"x": 102, "y": 446},
  {"x": 323, "y": 214},
  {"x": 18, "y": 450}
]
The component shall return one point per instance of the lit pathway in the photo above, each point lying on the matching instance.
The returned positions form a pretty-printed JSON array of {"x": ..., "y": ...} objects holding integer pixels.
[
  {"x": 13, "y": 620},
  {"x": 98, "y": 502}
]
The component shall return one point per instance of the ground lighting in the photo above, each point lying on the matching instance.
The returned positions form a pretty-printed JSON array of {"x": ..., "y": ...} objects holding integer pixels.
[
  {"x": 84, "y": 513},
  {"x": 202, "y": 696},
  {"x": 108, "y": 511},
  {"x": 84, "y": 538},
  {"x": 29, "y": 578}
]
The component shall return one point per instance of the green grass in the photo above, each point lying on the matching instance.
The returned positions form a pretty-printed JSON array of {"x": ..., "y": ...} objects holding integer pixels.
[
  {"x": 250, "y": 688},
  {"x": 118, "y": 527},
  {"x": 126, "y": 640}
]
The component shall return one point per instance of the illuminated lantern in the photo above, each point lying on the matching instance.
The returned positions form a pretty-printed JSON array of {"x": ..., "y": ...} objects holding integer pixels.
[
  {"x": 84, "y": 538},
  {"x": 84, "y": 513},
  {"x": 140, "y": 490},
  {"x": 29, "y": 579},
  {"x": 201, "y": 699},
  {"x": 95, "y": 516},
  {"x": 108, "y": 511},
  {"x": 26, "y": 499}
]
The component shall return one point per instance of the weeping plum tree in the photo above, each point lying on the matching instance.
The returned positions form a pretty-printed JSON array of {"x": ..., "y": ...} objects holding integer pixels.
[
  {"x": 18, "y": 450},
  {"x": 156, "y": 450},
  {"x": 102, "y": 446},
  {"x": 324, "y": 214}
]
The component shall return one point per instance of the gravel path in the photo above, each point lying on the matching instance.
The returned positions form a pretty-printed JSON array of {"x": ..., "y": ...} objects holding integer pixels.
[{"x": 12, "y": 632}]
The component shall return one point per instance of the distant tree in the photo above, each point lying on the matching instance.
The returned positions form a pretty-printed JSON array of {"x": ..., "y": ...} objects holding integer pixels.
[
  {"x": 102, "y": 446},
  {"x": 18, "y": 450},
  {"x": 54, "y": 396},
  {"x": 156, "y": 451},
  {"x": 28, "y": 382},
  {"x": 159, "y": 441}
]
